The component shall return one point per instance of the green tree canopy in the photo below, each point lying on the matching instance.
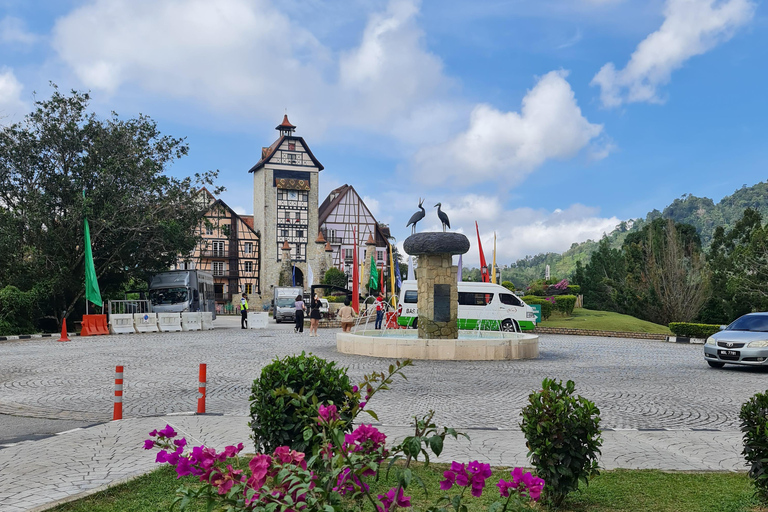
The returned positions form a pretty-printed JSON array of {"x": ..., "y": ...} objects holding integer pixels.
[{"x": 140, "y": 217}]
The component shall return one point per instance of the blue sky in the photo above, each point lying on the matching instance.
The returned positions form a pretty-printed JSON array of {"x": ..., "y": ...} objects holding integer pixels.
[{"x": 547, "y": 121}]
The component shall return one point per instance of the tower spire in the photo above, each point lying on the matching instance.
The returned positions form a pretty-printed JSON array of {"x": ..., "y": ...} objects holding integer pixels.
[{"x": 285, "y": 128}]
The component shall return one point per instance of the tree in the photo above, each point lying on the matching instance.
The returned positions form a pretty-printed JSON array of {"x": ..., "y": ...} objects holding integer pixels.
[
  {"x": 140, "y": 217},
  {"x": 603, "y": 280},
  {"x": 335, "y": 277}
]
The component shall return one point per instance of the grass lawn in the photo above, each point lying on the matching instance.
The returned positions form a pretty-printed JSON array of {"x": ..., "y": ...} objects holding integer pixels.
[
  {"x": 603, "y": 321},
  {"x": 612, "y": 491}
]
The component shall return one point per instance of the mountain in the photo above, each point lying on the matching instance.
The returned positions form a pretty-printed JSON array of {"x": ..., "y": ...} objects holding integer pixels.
[{"x": 701, "y": 212}]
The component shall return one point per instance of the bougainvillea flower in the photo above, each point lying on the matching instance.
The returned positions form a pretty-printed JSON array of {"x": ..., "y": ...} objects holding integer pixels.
[
  {"x": 524, "y": 482},
  {"x": 388, "y": 499},
  {"x": 161, "y": 457},
  {"x": 327, "y": 414},
  {"x": 450, "y": 478},
  {"x": 180, "y": 443},
  {"x": 149, "y": 444},
  {"x": 168, "y": 432},
  {"x": 183, "y": 468},
  {"x": 153, "y": 433},
  {"x": 283, "y": 454},
  {"x": 355, "y": 389},
  {"x": 231, "y": 451}
]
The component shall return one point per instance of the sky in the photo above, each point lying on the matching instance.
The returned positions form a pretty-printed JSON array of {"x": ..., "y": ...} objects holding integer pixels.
[{"x": 547, "y": 122}]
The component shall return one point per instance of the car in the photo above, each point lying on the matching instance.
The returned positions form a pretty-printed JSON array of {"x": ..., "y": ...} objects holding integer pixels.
[{"x": 743, "y": 342}]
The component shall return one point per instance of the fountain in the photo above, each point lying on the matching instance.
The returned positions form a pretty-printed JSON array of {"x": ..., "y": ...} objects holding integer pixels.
[{"x": 438, "y": 336}]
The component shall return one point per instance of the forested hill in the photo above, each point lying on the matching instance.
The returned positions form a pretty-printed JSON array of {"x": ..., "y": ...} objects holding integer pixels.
[{"x": 701, "y": 212}]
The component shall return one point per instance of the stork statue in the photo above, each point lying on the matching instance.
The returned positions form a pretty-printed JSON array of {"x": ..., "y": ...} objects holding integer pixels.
[
  {"x": 443, "y": 217},
  {"x": 416, "y": 217}
]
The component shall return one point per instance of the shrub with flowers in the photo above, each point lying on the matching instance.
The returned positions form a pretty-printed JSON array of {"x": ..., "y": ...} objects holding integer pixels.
[{"x": 336, "y": 476}]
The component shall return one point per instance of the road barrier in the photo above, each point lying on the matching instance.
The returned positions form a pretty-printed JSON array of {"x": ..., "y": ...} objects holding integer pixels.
[
  {"x": 121, "y": 324},
  {"x": 145, "y": 322},
  {"x": 190, "y": 321},
  {"x": 117, "y": 411},
  {"x": 94, "y": 325},
  {"x": 206, "y": 320},
  {"x": 169, "y": 322},
  {"x": 201, "y": 389},
  {"x": 257, "y": 320}
]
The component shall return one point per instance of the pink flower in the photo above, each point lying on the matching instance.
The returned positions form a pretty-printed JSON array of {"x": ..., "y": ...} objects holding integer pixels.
[
  {"x": 327, "y": 414},
  {"x": 525, "y": 483},
  {"x": 167, "y": 432},
  {"x": 355, "y": 389},
  {"x": 231, "y": 451},
  {"x": 149, "y": 444},
  {"x": 388, "y": 499}
]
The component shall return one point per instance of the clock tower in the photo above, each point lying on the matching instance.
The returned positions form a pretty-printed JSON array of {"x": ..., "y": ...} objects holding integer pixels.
[{"x": 285, "y": 188}]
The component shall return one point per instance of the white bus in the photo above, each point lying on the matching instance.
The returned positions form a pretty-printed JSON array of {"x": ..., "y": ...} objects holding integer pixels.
[{"x": 482, "y": 306}]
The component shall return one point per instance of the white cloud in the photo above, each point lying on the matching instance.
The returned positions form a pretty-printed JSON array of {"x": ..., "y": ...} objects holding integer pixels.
[
  {"x": 11, "y": 104},
  {"x": 507, "y": 146},
  {"x": 519, "y": 231},
  {"x": 691, "y": 27},
  {"x": 13, "y": 30}
]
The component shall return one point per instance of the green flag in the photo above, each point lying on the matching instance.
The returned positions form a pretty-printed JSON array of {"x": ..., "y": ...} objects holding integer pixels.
[
  {"x": 373, "y": 282},
  {"x": 92, "y": 292}
]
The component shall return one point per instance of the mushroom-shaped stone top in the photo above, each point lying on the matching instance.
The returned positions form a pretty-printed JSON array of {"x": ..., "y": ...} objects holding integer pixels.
[{"x": 436, "y": 243}]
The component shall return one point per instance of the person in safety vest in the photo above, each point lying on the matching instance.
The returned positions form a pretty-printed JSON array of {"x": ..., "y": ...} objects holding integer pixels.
[{"x": 243, "y": 312}]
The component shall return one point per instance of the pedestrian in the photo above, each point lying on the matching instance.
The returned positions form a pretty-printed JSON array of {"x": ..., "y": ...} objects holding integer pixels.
[
  {"x": 243, "y": 312},
  {"x": 314, "y": 315},
  {"x": 347, "y": 316},
  {"x": 380, "y": 305},
  {"x": 299, "y": 314}
]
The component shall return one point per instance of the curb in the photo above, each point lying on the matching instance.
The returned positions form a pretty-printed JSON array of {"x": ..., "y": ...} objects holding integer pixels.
[
  {"x": 682, "y": 339},
  {"x": 34, "y": 336},
  {"x": 605, "y": 334}
]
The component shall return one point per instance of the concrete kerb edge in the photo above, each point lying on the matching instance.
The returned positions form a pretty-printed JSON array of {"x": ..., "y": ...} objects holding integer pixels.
[{"x": 90, "y": 492}]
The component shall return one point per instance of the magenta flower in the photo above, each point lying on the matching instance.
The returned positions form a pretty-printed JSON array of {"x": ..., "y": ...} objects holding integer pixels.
[
  {"x": 184, "y": 467},
  {"x": 525, "y": 483},
  {"x": 388, "y": 499},
  {"x": 231, "y": 451},
  {"x": 475, "y": 474},
  {"x": 355, "y": 389},
  {"x": 327, "y": 414},
  {"x": 180, "y": 443},
  {"x": 149, "y": 444},
  {"x": 167, "y": 432},
  {"x": 153, "y": 433},
  {"x": 346, "y": 482}
]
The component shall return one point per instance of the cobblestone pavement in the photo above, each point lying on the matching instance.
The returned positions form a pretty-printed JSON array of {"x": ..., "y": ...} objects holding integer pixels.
[{"x": 662, "y": 406}]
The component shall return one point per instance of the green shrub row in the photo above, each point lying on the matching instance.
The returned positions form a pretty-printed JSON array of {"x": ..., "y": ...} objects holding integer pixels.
[
  {"x": 688, "y": 330},
  {"x": 574, "y": 289},
  {"x": 565, "y": 304},
  {"x": 546, "y": 306}
]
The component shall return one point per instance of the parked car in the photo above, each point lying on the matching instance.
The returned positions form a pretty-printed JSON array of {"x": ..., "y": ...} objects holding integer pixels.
[{"x": 744, "y": 342}]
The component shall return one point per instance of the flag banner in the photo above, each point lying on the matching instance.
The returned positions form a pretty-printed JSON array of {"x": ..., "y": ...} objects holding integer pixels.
[
  {"x": 310, "y": 276},
  {"x": 92, "y": 292},
  {"x": 493, "y": 268},
  {"x": 398, "y": 278},
  {"x": 483, "y": 264},
  {"x": 355, "y": 278},
  {"x": 411, "y": 272},
  {"x": 458, "y": 274},
  {"x": 373, "y": 282},
  {"x": 293, "y": 275},
  {"x": 392, "y": 270}
]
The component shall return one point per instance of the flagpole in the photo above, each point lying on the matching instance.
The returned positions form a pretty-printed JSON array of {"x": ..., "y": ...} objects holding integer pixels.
[{"x": 493, "y": 269}]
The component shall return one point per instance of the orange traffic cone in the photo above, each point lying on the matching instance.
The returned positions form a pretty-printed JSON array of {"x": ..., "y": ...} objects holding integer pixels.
[{"x": 64, "y": 336}]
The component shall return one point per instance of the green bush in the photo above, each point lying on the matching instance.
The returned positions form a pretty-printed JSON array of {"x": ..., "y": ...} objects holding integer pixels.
[
  {"x": 754, "y": 424},
  {"x": 509, "y": 285},
  {"x": 336, "y": 298},
  {"x": 17, "y": 309},
  {"x": 335, "y": 277},
  {"x": 565, "y": 304},
  {"x": 574, "y": 289},
  {"x": 277, "y": 419},
  {"x": 546, "y": 306},
  {"x": 688, "y": 330},
  {"x": 563, "y": 438}
]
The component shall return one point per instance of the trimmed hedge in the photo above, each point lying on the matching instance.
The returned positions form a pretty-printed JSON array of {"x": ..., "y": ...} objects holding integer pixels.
[
  {"x": 688, "y": 330},
  {"x": 565, "y": 304},
  {"x": 546, "y": 306},
  {"x": 574, "y": 289}
]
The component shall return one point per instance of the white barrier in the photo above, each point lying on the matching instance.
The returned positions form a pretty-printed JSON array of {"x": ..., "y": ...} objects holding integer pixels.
[
  {"x": 257, "y": 320},
  {"x": 145, "y": 322},
  {"x": 121, "y": 324},
  {"x": 169, "y": 322},
  {"x": 206, "y": 320},
  {"x": 190, "y": 321}
]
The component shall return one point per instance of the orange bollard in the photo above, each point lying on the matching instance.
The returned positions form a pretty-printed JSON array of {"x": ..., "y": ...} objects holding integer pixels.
[
  {"x": 117, "y": 413},
  {"x": 64, "y": 335},
  {"x": 201, "y": 389}
]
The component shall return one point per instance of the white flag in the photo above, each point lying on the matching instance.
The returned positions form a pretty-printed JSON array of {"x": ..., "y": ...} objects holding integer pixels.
[
  {"x": 310, "y": 276},
  {"x": 411, "y": 273},
  {"x": 459, "y": 273}
]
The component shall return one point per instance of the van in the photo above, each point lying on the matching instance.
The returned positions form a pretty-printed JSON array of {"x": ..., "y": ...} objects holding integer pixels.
[
  {"x": 178, "y": 291},
  {"x": 283, "y": 302},
  {"x": 483, "y": 306}
]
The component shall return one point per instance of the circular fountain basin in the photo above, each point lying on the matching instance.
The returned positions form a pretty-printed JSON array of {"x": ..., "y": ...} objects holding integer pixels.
[{"x": 470, "y": 346}]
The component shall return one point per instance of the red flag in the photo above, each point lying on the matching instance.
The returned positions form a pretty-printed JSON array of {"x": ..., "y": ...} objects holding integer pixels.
[
  {"x": 483, "y": 264},
  {"x": 355, "y": 277},
  {"x": 381, "y": 280}
]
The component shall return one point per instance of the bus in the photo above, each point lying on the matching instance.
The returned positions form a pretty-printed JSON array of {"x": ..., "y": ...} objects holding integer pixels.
[
  {"x": 484, "y": 306},
  {"x": 178, "y": 291}
]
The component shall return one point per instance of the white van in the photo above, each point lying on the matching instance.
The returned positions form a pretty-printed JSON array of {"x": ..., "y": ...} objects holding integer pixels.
[{"x": 485, "y": 306}]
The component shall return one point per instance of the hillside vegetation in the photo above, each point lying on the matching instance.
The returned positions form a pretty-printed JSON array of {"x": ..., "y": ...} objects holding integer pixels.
[{"x": 603, "y": 321}]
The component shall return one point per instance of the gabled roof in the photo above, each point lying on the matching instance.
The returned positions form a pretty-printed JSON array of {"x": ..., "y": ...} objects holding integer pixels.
[
  {"x": 268, "y": 153},
  {"x": 245, "y": 219},
  {"x": 332, "y": 201}
]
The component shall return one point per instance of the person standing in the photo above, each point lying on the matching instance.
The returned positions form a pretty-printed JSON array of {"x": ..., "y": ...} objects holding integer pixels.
[
  {"x": 347, "y": 316},
  {"x": 314, "y": 315},
  {"x": 299, "y": 314},
  {"x": 379, "y": 310},
  {"x": 243, "y": 312}
]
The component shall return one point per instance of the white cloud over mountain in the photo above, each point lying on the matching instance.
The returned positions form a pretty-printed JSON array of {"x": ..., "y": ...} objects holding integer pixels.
[{"x": 690, "y": 28}]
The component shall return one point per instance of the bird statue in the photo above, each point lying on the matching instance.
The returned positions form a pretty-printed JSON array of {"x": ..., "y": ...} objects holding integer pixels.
[
  {"x": 416, "y": 217},
  {"x": 443, "y": 217}
]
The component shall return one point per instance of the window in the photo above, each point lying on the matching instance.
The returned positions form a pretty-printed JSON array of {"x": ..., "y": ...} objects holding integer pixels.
[
  {"x": 218, "y": 268},
  {"x": 411, "y": 297},
  {"x": 248, "y": 248},
  {"x": 300, "y": 233},
  {"x": 474, "y": 299},
  {"x": 248, "y": 266},
  {"x": 284, "y": 233},
  {"x": 218, "y": 249},
  {"x": 379, "y": 255},
  {"x": 509, "y": 299},
  {"x": 208, "y": 229},
  {"x": 249, "y": 288},
  {"x": 347, "y": 254}
]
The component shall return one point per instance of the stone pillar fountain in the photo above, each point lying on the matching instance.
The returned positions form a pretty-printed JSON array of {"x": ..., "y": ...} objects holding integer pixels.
[{"x": 436, "y": 275}]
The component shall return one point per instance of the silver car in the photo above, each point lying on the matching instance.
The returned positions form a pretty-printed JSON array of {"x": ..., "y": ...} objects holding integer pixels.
[{"x": 744, "y": 342}]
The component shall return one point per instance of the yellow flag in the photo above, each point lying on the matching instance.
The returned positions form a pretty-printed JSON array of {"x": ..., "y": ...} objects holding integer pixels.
[
  {"x": 493, "y": 271},
  {"x": 392, "y": 274}
]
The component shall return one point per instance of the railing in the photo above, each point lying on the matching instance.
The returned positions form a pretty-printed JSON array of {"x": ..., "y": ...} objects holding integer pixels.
[
  {"x": 335, "y": 240},
  {"x": 126, "y": 307},
  {"x": 215, "y": 253},
  {"x": 226, "y": 273},
  {"x": 222, "y": 297}
]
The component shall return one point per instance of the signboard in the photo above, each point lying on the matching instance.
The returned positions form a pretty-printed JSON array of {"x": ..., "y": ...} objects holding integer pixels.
[
  {"x": 442, "y": 303},
  {"x": 537, "y": 310}
]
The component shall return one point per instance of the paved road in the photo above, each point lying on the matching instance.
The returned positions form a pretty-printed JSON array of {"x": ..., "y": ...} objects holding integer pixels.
[{"x": 636, "y": 383}]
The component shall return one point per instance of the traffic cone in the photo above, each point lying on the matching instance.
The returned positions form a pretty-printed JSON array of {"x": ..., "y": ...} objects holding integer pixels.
[{"x": 64, "y": 336}]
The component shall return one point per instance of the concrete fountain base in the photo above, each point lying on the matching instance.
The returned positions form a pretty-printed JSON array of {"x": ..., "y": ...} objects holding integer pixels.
[{"x": 471, "y": 345}]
